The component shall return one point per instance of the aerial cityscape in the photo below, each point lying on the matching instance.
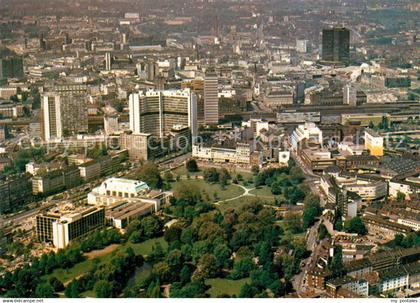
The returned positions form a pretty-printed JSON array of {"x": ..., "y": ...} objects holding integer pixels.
[{"x": 209, "y": 149}]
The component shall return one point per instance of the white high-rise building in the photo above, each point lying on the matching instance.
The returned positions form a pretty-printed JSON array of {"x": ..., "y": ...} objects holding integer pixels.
[
  {"x": 309, "y": 132},
  {"x": 349, "y": 95},
  {"x": 108, "y": 61},
  {"x": 63, "y": 115},
  {"x": 302, "y": 46},
  {"x": 111, "y": 124},
  {"x": 157, "y": 112}
]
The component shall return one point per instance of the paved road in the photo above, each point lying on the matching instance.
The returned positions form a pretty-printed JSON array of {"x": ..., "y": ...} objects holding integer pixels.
[
  {"x": 244, "y": 194},
  {"x": 311, "y": 246}
]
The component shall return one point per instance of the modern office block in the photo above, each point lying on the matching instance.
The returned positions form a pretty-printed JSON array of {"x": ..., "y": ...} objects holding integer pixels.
[
  {"x": 211, "y": 99},
  {"x": 336, "y": 45},
  {"x": 158, "y": 112}
]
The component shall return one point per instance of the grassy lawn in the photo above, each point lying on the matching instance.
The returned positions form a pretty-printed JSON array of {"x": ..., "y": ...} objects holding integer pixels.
[
  {"x": 67, "y": 275},
  {"x": 262, "y": 191},
  {"x": 237, "y": 203},
  {"x": 225, "y": 286},
  {"x": 231, "y": 191},
  {"x": 145, "y": 248},
  {"x": 182, "y": 171}
]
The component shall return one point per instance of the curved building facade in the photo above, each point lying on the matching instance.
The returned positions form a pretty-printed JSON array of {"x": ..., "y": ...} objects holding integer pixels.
[{"x": 158, "y": 112}]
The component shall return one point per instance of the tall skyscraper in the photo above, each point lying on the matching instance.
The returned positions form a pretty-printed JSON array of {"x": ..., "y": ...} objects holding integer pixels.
[
  {"x": 11, "y": 67},
  {"x": 211, "y": 99},
  {"x": 108, "y": 61},
  {"x": 63, "y": 114},
  {"x": 158, "y": 112},
  {"x": 336, "y": 45}
]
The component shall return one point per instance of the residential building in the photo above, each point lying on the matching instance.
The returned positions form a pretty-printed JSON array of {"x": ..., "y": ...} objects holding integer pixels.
[
  {"x": 63, "y": 114},
  {"x": 15, "y": 191},
  {"x": 102, "y": 166},
  {"x": 56, "y": 180},
  {"x": 407, "y": 185},
  {"x": 392, "y": 279},
  {"x": 383, "y": 227},
  {"x": 360, "y": 287},
  {"x": 257, "y": 125}
]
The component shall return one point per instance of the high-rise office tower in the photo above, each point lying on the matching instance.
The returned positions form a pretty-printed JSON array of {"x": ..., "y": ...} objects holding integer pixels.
[
  {"x": 197, "y": 86},
  {"x": 63, "y": 114},
  {"x": 11, "y": 67},
  {"x": 151, "y": 70},
  {"x": 211, "y": 99},
  {"x": 336, "y": 45},
  {"x": 108, "y": 61},
  {"x": 158, "y": 112},
  {"x": 302, "y": 46},
  {"x": 111, "y": 124}
]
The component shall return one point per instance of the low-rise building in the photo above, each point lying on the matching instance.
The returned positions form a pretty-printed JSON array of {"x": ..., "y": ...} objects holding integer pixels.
[
  {"x": 359, "y": 287},
  {"x": 387, "y": 229},
  {"x": 56, "y": 180},
  {"x": 15, "y": 191},
  {"x": 393, "y": 279},
  {"x": 117, "y": 190},
  {"x": 240, "y": 154},
  {"x": 122, "y": 213},
  {"x": 317, "y": 160},
  {"x": 409, "y": 186},
  {"x": 90, "y": 170}
]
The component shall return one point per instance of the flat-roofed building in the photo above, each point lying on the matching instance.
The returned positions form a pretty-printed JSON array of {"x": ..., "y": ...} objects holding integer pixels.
[
  {"x": 368, "y": 190},
  {"x": 137, "y": 145},
  {"x": 241, "y": 153},
  {"x": 15, "y": 191},
  {"x": 63, "y": 114},
  {"x": 211, "y": 99},
  {"x": 374, "y": 143},
  {"x": 90, "y": 170},
  {"x": 63, "y": 225},
  {"x": 116, "y": 189},
  {"x": 121, "y": 214},
  {"x": 317, "y": 160},
  {"x": 409, "y": 186},
  {"x": 360, "y": 287},
  {"x": 381, "y": 226},
  {"x": 157, "y": 112},
  {"x": 56, "y": 180},
  {"x": 362, "y": 119},
  {"x": 305, "y": 134}
]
